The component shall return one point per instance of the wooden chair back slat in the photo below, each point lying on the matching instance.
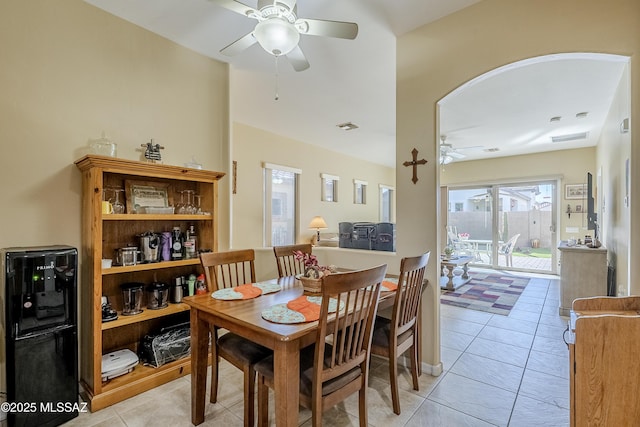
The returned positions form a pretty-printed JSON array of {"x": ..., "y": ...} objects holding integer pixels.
[
  {"x": 405, "y": 309},
  {"x": 287, "y": 264},
  {"x": 351, "y": 329},
  {"x": 228, "y": 269},
  {"x": 404, "y": 323}
]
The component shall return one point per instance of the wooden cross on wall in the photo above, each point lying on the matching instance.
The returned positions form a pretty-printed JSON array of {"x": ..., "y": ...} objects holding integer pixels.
[{"x": 415, "y": 162}]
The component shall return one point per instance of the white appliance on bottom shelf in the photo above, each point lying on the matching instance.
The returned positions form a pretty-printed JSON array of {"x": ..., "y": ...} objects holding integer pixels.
[{"x": 118, "y": 363}]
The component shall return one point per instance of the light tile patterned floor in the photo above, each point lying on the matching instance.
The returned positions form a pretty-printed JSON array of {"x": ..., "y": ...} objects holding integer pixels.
[{"x": 498, "y": 371}]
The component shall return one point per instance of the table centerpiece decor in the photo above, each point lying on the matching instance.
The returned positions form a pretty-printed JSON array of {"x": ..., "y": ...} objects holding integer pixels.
[{"x": 313, "y": 273}]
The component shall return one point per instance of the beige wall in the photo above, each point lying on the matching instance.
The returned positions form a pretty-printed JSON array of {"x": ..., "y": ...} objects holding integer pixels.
[
  {"x": 437, "y": 58},
  {"x": 70, "y": 71},
  {"x": 252, "y": 147},
  {"x": 611, "y": 194}
]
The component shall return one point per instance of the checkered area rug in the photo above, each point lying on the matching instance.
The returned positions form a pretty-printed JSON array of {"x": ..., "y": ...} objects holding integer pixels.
[{"x": 487, "y": 292}]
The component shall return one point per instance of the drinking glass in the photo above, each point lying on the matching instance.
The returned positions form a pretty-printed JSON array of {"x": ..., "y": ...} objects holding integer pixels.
[
  {"x": 180, "y": 209},
  {"x": 198, "y": 207},
  {"x": 107, "y": 194},
  {"x": 189, "y": 206},
  {"x": 118, "y": 206}
]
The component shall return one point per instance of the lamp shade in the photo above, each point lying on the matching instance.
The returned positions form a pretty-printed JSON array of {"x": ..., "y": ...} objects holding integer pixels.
[
  {"x": 318, "y": 222},
  {"x": 276, "y": 36}
]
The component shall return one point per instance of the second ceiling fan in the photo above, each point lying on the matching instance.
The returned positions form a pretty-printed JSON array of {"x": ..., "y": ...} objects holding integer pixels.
[
  {"x": 449, "y": 153},
  {"x": 278, "y": 29}
]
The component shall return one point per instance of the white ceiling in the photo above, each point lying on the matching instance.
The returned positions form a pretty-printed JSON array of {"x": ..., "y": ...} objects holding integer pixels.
[
  {"x": 354, "y": 80},
  {"x": 511, "y": 108}
]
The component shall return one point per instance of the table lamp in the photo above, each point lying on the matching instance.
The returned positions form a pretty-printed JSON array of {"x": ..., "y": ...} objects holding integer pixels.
[{"x": 318, "y": 223}]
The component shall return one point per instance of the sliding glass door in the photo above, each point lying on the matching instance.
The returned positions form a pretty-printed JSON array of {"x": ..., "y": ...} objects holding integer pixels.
[
  {"x": 470, "y": 223},
  {"x": 505, "y": 226},
  {"x": 526, "y": 230}
]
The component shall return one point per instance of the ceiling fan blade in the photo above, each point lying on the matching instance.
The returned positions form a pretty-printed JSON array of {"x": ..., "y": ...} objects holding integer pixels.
[
  {"x": 238, "y": 7},
  {"x": 318, "y": 27},
  {"x": 290, "y": 4},
  {"x": 297, "y": 59},
  {"x": 239, "y": 45},
  {"x": 456, "y": 155}
]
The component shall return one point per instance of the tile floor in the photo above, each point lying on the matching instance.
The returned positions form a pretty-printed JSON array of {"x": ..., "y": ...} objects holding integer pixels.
[{"x": 498, "y": 371}]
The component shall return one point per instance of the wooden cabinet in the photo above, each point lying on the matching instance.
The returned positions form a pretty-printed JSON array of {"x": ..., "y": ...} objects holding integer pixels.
[
  {"x": 583, "y": 273},
  {"x": 102, "y": 234},
  {"x": 603, "y": 356}
]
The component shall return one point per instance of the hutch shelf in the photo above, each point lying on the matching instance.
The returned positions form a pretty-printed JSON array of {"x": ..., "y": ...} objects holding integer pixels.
[{"x": 102, "y": 235}]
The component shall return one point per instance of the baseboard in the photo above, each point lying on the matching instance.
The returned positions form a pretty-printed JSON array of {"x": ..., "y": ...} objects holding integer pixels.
[{"x": 433, "y": 370}]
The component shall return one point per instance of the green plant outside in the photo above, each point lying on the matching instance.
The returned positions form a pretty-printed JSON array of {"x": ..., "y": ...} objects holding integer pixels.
[{"x": 534, "y": 252}]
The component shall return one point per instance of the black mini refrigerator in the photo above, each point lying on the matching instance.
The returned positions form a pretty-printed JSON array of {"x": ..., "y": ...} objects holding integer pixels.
[{"x": 39, "y": 287}]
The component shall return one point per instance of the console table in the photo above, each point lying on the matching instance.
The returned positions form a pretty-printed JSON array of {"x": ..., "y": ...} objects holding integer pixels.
[{"x": 583, "y": 273}]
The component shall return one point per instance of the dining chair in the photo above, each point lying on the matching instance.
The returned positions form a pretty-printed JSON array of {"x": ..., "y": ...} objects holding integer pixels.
[
  {"x": 337, "y": 365},
  {"x": 506, "y": 250},
  {"x": 287, "y": 264},
  {"x": 395, "y": 336},
  {"x": 225, "y": 270}
]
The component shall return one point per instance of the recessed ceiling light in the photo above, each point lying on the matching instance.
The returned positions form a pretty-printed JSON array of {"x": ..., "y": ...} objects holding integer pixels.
[
  {"x": 582, "y": 115},
  {"x": 555, "y": 119},
  {"x": 347, "y": 126}
]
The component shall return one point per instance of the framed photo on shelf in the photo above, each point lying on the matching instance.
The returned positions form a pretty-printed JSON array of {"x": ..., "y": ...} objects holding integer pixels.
[
  {"x": 143, "y": 194},
  {"x": 578, "y": 208},
  {"x": 575, "y": 191}
]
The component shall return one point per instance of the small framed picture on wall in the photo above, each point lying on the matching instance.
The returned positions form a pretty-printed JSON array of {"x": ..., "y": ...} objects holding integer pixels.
[{"x": 575, "y": 191}]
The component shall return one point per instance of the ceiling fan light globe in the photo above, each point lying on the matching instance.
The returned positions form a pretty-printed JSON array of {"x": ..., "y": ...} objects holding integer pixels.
[
  {"x": 445, "y": 159},
  {"x": 276, "y": 36}
]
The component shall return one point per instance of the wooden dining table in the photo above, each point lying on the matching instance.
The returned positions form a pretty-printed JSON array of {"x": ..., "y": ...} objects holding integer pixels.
[{"x": 243, "y": 317}]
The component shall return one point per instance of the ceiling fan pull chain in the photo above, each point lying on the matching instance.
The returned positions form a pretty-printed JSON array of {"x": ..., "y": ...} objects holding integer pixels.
[{"x": 277, "y": 96}]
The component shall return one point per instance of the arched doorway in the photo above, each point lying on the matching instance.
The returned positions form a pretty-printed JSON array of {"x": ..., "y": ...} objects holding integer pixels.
[{"x": 514, "y": 137}]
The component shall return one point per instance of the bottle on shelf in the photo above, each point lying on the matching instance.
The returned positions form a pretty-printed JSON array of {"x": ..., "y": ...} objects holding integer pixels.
[
  {"x": 191, "y": 284},
  {"x": 177, "y": 240},
  {"x": 201, "y": 287},
  {"x": 190, "y": 243},
  {"x": 166, "y": 245}
]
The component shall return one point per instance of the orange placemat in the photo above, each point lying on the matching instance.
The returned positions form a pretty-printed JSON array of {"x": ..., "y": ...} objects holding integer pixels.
[
  {"x": 248, "y": 291},
  {"x": 388, "y": 285},
  {"x": 310, "y": 310},
  {"x": 281, "y": 313}
]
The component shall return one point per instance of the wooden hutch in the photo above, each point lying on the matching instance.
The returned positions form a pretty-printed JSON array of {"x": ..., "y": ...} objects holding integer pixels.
[{"x": 102, "y": 235}]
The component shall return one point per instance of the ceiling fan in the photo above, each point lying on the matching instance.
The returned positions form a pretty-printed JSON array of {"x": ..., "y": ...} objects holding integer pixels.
[
  {"x": 448, "y": 152},
  {"x": 278, "y": 29}
]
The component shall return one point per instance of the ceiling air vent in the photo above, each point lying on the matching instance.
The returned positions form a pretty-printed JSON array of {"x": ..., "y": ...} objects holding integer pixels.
[
  {"x": 570, "y": 137},
  {"x": 491, "y": 150}
]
